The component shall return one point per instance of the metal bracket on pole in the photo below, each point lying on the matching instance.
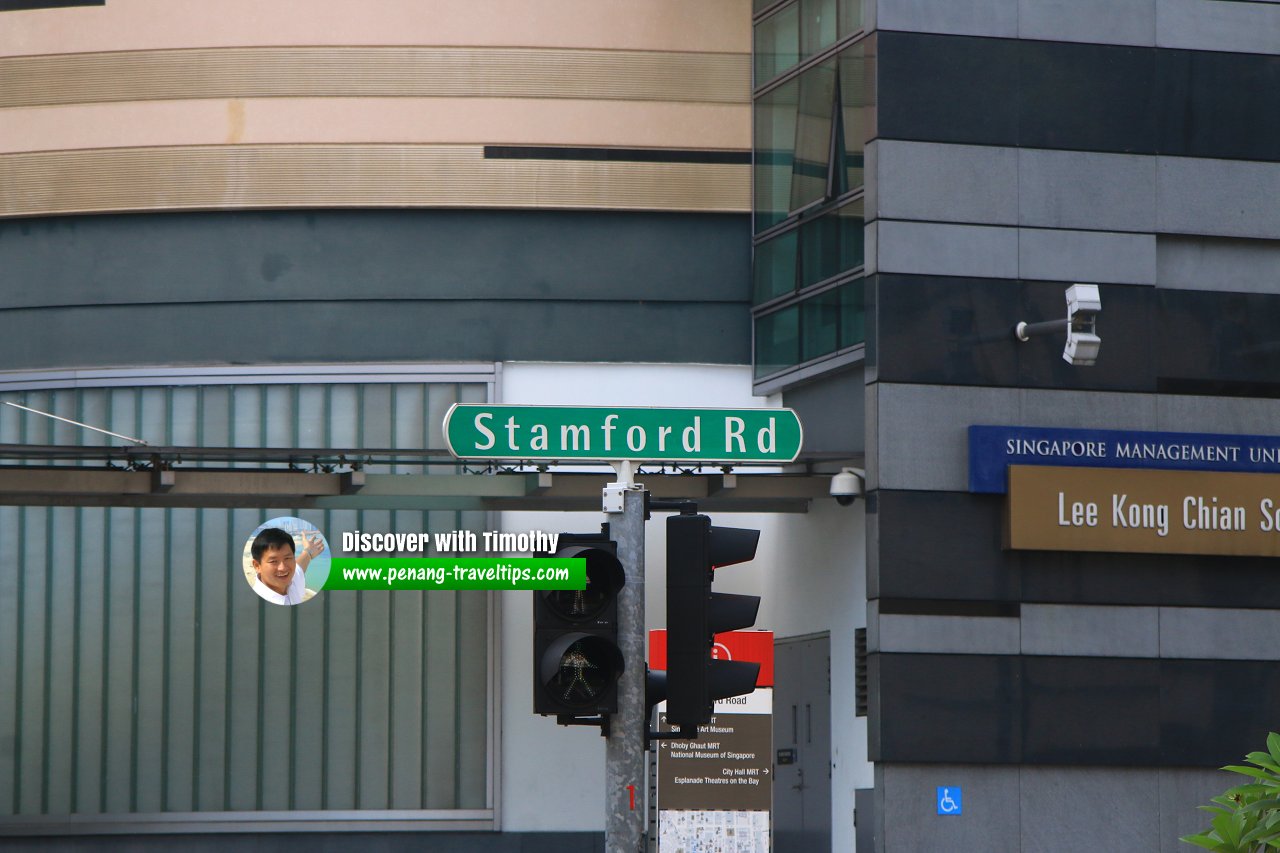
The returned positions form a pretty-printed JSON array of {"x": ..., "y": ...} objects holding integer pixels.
[
  {"x": 613, "y": 492},
  {"x": 684, "y": 506},
  {"x": 601, "y": 720}
]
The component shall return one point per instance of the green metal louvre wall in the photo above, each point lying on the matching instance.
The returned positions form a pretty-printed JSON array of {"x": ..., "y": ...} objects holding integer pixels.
[{"x": 139, "y": 673}]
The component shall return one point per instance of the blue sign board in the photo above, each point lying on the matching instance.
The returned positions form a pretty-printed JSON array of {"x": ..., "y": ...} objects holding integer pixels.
[
  {"x": 992, "y": 449},
  {"x": 950, "y": 801}
]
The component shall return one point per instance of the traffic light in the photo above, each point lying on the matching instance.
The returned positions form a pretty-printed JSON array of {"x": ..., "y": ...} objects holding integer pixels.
[
  {"x": 576, "y": 657},
  {"x": 695, "y": 615}
]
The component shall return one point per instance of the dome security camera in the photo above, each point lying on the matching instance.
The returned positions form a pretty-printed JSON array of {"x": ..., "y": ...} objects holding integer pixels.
[{"x": 847, "y": 485}]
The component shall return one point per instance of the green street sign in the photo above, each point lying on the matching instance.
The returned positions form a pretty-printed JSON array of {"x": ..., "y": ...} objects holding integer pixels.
[{"x": 602, "y": 433}]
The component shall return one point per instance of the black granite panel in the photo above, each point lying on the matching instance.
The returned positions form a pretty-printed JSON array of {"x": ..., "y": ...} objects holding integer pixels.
[
  {"x": 959, "y": 331},
  {"x": 1214, "y": 712},
  {"x": 1208, "y": 336},
  {"x": 1097, "y": 711},
  {"x": 1175, "y": 580},
  {"x": 871, "y": 326},
  {"x": 947, "y": 88},
  {"x": 1090, "y": 711},
  {"x": 940, "y": 545},
  {"x": 1086, "y": 96},
  {"x": 1219, "y": 104},
  {"x": 945, "y": 708},
  {"x": 968, "y": 325}
]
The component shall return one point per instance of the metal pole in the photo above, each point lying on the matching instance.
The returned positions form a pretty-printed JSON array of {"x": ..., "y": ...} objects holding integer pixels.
[
  {"x": 624, "y": 748},
  {"x": 1024, "y": 331}
]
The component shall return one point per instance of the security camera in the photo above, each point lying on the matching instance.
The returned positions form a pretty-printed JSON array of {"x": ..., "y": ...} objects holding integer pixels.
[
  {"x": 1083, "y": 306},
  {"x": 847, "y": 485},
  {"x": 1084, "y": 303}
]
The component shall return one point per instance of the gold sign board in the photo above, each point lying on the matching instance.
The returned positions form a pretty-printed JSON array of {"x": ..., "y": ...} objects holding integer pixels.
[{"x": 1143, "y": 511}]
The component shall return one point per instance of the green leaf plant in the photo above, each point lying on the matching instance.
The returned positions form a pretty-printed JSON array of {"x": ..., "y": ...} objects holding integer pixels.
[{"x": 1246, "y": 818}]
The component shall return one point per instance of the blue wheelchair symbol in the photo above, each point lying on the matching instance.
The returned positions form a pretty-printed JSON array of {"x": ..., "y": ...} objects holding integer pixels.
[{"x": 950, "y": 801}]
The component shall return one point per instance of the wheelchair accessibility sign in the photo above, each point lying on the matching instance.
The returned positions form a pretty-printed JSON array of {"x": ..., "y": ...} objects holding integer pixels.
[{"x": 950, "y": 801}]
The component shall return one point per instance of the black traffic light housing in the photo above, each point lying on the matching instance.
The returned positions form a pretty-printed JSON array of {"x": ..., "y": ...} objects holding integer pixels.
[
  {"x": 576, "y": 656},
  {"x": 695, "y": 615}
]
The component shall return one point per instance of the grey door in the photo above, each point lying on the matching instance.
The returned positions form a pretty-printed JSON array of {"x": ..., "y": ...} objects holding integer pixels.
[{"x": 802, "y": 744}]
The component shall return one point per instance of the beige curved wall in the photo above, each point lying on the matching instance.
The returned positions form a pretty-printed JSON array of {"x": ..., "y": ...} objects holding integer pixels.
[
  {"x": 717, "y": 26},
  {"x": 101, "y": 107}
]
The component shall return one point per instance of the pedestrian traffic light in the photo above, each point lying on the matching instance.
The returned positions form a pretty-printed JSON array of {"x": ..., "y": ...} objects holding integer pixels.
[
  {"x": 576, "y": 656},
  {"x": 695, "y": 615}
]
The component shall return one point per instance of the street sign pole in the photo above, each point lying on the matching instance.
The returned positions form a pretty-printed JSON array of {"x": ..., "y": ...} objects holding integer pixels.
[
  {"x": 625, "y": 746},
  {"x": 623, "y": 435}
]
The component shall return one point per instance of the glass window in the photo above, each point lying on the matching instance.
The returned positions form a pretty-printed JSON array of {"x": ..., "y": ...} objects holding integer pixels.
[
  {"x": 821, "y": 325},
  {"x": 852, "y": 314},
  {"x": 857, "y": 100},
  {"x": 824, "y": 324},
  {"x": 800, "y": 30},
  {"x": 777, "y": 44},
  {"x": 831, "y": 244},
  {"x": 850, "y": 16},
  {"x": 777, "y": 340},
  {"x": 819, "y": 28},
  {"x": 810, "y": 181},
  {"x": 775, "y": 138},
  {"x": 774, "y": 271},
  {"x": 794, "y": 137}
]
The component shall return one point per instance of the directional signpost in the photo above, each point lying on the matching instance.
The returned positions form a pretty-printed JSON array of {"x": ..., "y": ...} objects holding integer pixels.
[
  {"x": 633, "y": 435},
  {"x": 716, "y": 793}
]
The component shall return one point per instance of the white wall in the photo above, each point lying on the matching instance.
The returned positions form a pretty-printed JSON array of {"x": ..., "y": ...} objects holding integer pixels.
[
  {"x": 666, "y": 385},
  {"x": 809, "y": 570},
  {"x": 551, "y": 777},
  {"x": 813, "y": 576}
]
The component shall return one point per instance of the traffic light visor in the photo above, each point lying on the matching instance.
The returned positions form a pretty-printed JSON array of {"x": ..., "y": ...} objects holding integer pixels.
[{"x": 604, "y": 578}]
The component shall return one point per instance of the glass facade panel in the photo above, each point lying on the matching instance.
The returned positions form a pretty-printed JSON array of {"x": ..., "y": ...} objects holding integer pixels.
[
  {"x": 777, "y": 44},
  {"x": 794, "y": 140},
  {"x": 831, "y": 244},
  {"x": 824, "y": 324},
  {"x": 857, "y": 100},
  {"x": 798, "y": 31},
  {"x": 852, "y": 314},
  {"x": 809, "y": 156},
  {"x": 140, "y": 674},
  {"x": 820, "y": 324},
  {"x": 850, "y": 17},
  {"x": 775, "y": 139},
  {"x": 820, "y": 28},
  {"x": 774, "y": 269},
  {"x": 777, "y": 340},
  {"x": 813, "y": 135}
]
